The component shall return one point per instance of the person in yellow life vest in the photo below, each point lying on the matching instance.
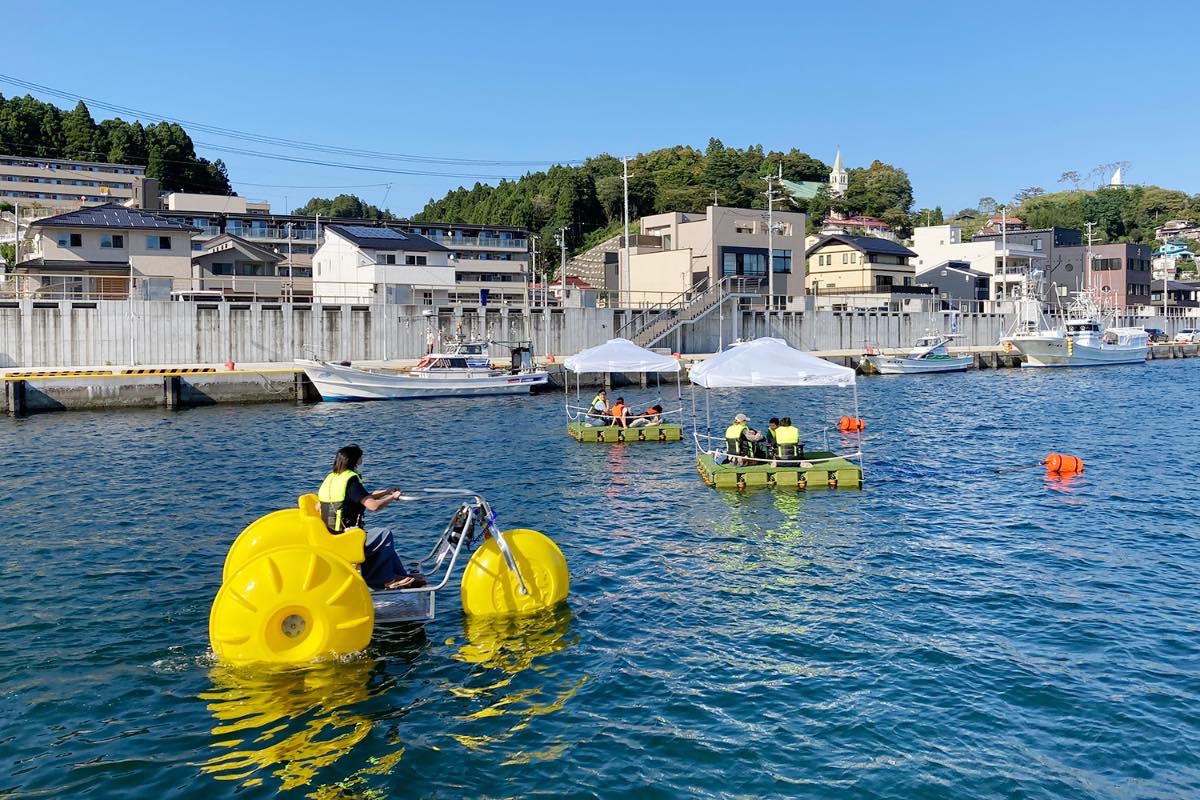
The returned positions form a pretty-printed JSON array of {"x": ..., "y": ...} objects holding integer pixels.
[
  {"x": 618, "y": 413},
  {"x": 344, "y": 501},
  {"x": 597, "y": 413},
  {"x": 788, "y": 447},
  {"x": 735, "y": 443}
]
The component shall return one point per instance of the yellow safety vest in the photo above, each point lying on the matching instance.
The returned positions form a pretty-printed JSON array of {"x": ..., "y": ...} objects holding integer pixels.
[
  {"x": 332, "y": 495},
  {"x": 787, "y": 434},
  {"x": 734, "y": 431}
]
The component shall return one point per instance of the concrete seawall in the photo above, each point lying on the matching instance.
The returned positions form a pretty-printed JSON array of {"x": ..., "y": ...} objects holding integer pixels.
[{"x": 107, "y": 332}]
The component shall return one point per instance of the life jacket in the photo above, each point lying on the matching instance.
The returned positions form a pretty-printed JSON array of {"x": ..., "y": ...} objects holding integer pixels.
[
  {"x": 603, "y": 405},
  {"x": 332, "y": 496},
  {"x": 652, "y": 412},
  {"x": 618, "y": 411},
  {"x": 787, "y": 440},
  {"x": 733, "y": 438}
]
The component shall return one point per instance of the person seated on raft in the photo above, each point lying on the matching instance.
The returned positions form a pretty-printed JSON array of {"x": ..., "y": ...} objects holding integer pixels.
[
  {"x": 756, "y": 446},
  {"x": 618, "y": 412},
  {"x": 344, "y": 500},
  {"x": 597, "y": 413},
  {"x": 788, "y": 447},
  {"x": 651, "y": 416},
  {"x": 772, "y": 425},
  {"x": 735, "y": 443}
]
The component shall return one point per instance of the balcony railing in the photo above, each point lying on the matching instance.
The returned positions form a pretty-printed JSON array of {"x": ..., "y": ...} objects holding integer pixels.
[
  {"x": 297, "y": 234},
  {"x": 493, "y": 242}
]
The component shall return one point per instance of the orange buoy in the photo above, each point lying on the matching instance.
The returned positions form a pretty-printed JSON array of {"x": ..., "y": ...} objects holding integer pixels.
[
  {"x": 229, "y": 365},
  {"x": 1063, "y": 464},
  {"x": 549, "y": 359},
  {"x": 852, "y": 425}
]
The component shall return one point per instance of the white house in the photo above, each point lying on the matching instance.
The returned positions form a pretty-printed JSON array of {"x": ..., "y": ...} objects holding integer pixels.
[
  {"x": 1006, "y": 266},
  {"x": 364, "y": 264}
]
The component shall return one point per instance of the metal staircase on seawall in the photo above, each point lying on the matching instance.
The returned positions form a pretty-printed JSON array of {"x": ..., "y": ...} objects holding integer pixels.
[{"x": 660, "y": 320}]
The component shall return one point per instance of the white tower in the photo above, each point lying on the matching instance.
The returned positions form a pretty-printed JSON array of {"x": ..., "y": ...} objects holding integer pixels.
[
  {"x": 839, "y": 179},
  {"x": 1116, "y": 178}
]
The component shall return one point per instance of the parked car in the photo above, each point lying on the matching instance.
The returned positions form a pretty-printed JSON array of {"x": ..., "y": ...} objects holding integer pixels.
[
  {"x": 1157, "y": 335},
  {"x": 1188, "y": 335}
]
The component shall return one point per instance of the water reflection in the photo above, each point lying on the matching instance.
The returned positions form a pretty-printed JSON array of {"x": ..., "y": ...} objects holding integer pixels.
[
  {"x": 524, "y": 689},
  {"x": 288, "y": 722}
]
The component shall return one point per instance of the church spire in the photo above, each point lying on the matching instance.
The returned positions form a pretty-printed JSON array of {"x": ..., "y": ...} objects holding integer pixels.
[{"x": 839, "y": 179}]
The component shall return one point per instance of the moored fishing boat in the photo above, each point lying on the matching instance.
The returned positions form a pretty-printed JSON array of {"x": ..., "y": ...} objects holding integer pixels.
[
  {"x": 929, "y": 354},
  {"x": 450, "y": 374}
]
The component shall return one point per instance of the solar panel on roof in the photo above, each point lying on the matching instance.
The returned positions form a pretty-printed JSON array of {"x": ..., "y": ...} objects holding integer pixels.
[{"x": 372, "y": 233}]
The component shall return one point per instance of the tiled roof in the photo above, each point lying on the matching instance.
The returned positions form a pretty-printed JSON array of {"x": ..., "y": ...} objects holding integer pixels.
[
  {"x": 112, "y": 215},
  {"x": 385, "y": 239},
  {"x": 866, "y": 244}
]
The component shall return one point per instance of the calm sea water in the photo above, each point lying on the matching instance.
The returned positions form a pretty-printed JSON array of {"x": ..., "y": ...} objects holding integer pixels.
[{"x": 946, "y": 632}]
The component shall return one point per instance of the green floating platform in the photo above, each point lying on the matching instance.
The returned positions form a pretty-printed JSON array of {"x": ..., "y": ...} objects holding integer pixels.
[
  {"x": 666, "y": 432},
  {"x": 822, "y": 471}
]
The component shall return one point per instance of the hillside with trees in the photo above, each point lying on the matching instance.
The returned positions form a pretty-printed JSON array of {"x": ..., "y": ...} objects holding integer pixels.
[
  {"x": 587, "y": 199},
  {"x": 1120, "y": 213},
  {"x": 29, "y": 127}
]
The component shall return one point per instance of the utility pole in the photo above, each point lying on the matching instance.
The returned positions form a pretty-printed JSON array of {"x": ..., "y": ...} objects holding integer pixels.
[
  {"x": 625, "y": 270},
  {"x": 562, "y": 265},
  {"x": 770, "y": 246},
  {"x": 1087, "y": 261}
]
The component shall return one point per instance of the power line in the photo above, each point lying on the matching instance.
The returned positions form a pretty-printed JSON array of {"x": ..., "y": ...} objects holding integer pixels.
[
  {"x": 278, "y": 141},
  {"x": 306, "y": 186}
]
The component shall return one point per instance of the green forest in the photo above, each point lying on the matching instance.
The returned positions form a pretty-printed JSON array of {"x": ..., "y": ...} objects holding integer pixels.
[
  {"x": 587, "y": 199},
  {"x": 29, "y": 127}
]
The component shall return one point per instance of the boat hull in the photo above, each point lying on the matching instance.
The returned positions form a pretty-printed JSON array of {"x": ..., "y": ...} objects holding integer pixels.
[
  {"x": 894, "y": 365},
  {"x": 340, "y": 384},
  {"x": 1058, "y": 352}
]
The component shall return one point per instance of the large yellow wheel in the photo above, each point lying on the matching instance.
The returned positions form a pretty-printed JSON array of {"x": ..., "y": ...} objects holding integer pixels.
[
  {"x": 489, "y": 587},
  {"x": 291, "y": 605},
  {"x": 291, "y": 527}
]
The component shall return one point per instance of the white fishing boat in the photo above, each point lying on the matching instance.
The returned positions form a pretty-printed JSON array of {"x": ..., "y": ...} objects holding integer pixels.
[
  {"x": 1083, "y": 339},
  {"x": 930, "y": 354},
  {"x": 451, "y": 374}
]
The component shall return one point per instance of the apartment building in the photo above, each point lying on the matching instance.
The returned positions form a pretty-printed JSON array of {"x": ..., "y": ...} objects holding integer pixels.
[
  {"x": 63, "y": 184},
  {"x": 489, "y": 261},
  {"x": 1007, "y": 262},
  {"x": 1120, "y": 273},
  {"x": 679, "y": 251}
]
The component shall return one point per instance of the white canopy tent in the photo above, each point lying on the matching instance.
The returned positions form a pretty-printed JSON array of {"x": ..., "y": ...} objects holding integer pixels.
[
  {"x": 623, "y": 356},
  {"x": 768, "y": 362},
  {"x": 764, "y": 363},
  {"x": 620, "y": 355}
]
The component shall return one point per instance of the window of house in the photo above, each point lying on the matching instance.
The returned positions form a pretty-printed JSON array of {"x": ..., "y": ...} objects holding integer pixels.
[
  {"x": 743, "y": 227},
  {"x": 782, "y": 261},
  {"x": 883, "y": 280},
  {"x": 70, "y": 240},
  {"x": 845, "y": 258},
  {"x": 158, "y": 242},
  {"x": 416, "y": 261},
  {"x": 385, "y": 258},
  {"x": 666, "y": 240},
  {"x": 1037, "y": 244},
  {"x": 222, "y": 268},
  {"x": 112, "y": 241}
]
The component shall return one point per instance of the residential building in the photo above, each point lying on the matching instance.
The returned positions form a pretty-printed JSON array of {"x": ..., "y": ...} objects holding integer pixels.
[
  {"x": 371, "y": 264},
  {"x": 1120, "y": 273},
  {"x": 682, "y": 251},
  {"x": 108, "y": 241},
  {"x": 1006, "y": 260},
  {"x": 61, "y": 184},
  {"x": 1177, "y": 230},
  {"x": 840, "y": 266},
  {"x": 858, "y": 225},
  {"x": 956, "y": 281},
  {"x": 1062, "y": 267},
  {"x": 228, "y": 266},
  {"x": 1183, "y": 295},
  {"x": 490, "y": 259},
  {"x": 998, "y": 225}
]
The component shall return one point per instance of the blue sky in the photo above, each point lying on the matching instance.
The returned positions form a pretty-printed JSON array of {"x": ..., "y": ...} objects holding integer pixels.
[{"x": 971, "y": 99}]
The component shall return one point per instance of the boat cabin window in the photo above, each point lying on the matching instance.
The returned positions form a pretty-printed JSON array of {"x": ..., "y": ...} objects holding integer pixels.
[{"x": 1082, "y": 327}]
